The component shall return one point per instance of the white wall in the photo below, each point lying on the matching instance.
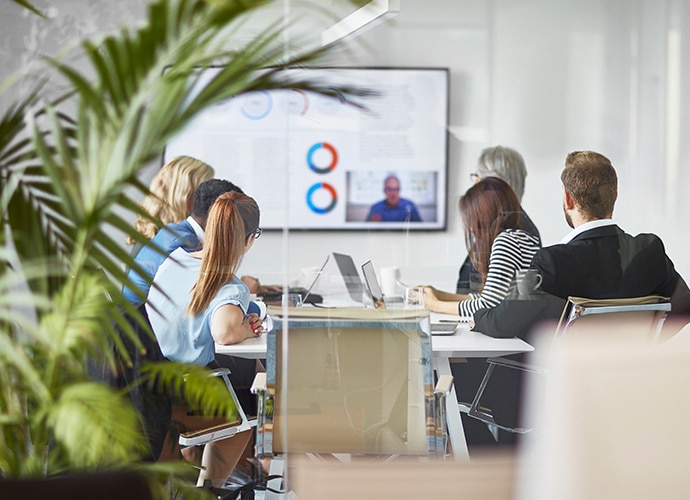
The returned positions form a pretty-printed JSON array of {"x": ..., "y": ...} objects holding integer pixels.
[{"x": 543, "y": 76}]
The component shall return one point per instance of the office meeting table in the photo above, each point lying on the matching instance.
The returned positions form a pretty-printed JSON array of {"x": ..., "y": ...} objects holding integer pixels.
[{"x": 463, "y": 343}]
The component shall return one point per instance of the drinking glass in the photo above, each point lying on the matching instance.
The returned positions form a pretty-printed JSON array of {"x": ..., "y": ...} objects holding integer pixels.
[
  {"x": 414, "y": 297},
  {"x": 292, "y": 300}
]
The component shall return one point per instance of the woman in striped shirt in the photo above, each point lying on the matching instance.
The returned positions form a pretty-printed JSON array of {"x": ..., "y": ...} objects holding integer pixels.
[{"x": 498, "y": 247}]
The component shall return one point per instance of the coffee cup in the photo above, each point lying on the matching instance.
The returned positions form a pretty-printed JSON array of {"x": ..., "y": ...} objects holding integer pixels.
[
  {"x": 389, "y": 281},
  {"x": 528, "y": 281}
]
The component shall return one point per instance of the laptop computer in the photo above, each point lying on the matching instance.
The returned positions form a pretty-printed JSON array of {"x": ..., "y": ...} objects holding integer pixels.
[
  {"x": 349, "y": 272},
  {"x": 308, "y": 297},
  {"x": 374, "y": 288},
  {"x": 381, "y": 302}
]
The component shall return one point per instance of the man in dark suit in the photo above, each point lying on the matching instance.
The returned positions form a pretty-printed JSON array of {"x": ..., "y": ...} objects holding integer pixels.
[{"x": 596, "y": 259}]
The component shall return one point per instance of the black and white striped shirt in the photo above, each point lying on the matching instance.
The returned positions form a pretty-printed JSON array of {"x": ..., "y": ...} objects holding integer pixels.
[{"x": 511, "y": 251}]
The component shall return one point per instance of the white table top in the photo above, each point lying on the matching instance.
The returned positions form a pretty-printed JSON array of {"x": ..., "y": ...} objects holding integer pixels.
[{"x": 463, "y": 343}]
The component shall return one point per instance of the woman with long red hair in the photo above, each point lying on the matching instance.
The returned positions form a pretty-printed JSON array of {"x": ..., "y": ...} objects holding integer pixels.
[
  {"x": 497, "y": 245},
  {"x": 197, "y": 300}
]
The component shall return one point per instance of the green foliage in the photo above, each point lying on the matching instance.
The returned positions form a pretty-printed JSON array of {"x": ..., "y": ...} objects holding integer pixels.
[{"x": 68, "y": 169}]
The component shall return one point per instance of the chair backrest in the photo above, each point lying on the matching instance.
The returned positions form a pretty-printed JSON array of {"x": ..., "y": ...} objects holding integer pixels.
[
  {"x": 642, "y": 317},
  {"x": 633, "y": 320},
  {"x": 355, "y": 381},
  {"x": 615, "y": 423}
]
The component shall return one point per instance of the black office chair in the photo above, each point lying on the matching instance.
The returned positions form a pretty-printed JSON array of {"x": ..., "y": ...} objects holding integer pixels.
[{"x": 639, "y": 318}]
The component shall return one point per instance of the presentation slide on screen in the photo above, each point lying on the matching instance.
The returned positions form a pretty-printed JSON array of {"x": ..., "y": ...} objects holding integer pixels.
[{"x": 313, "y": 162}]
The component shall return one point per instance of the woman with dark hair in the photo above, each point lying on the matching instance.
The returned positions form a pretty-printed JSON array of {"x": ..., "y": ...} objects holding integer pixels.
[
  {"x": 498, "y": 247},
  {"x": 197, "y": 300},
  {"x": 507, "y": 164}
]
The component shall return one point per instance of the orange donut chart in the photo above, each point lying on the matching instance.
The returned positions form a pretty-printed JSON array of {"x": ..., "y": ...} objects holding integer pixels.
[
  {"x": 331, "y": 190},
  {"x": 319, "y": 169}
]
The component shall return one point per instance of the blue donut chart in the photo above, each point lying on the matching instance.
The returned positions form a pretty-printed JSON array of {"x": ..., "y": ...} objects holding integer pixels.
[
  {"x": 256, "y": 110},
  {"x": 319, "y": 169},
  {"x": 331, "y": 190}
]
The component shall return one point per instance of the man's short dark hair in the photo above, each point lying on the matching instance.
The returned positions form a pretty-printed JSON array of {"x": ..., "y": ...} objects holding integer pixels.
[
  {"x": 592, "y": 182},
  {"x": 206, "y": 194}
]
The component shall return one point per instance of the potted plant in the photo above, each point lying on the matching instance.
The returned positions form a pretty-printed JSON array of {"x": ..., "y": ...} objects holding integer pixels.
[{"x": 69, "y": 163}]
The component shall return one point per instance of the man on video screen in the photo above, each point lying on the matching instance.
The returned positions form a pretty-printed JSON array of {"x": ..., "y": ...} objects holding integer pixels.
[{"x": 393, "y": 208}]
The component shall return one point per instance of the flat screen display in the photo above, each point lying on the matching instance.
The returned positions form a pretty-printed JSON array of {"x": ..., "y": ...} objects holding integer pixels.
[{"x": 316, "y": 163}]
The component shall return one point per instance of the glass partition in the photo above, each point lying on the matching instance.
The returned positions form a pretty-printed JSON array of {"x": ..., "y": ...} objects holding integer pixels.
[{"x": 355, "y": 381}]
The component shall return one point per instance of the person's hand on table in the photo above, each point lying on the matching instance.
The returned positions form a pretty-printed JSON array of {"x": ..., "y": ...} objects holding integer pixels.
[
  {"x": 256, "y": 324},
  {"x": 257, "y": 288},
  {"x": 430, "y": 298}
]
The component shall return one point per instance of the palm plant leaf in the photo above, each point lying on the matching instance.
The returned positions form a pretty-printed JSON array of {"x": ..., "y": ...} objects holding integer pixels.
[
  {"x": 101, "y": 425},
  {"x": 194, "y": 384},
  {"x": 65, "y": 183},
  {"x": 29, "y": 6}
]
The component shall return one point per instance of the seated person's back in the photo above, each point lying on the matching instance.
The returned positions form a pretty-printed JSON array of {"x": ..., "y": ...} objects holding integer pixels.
[
  {"x": 596, "y": 260},
  {"x": 188, "y": 235}
]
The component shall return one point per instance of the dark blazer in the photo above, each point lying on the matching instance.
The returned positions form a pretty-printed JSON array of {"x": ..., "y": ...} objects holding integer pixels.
[
  {"x": 469, "y": 279},
  {"x": 604, "y": 262}
]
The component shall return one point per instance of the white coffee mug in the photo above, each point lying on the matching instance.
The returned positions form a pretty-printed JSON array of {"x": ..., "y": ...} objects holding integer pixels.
[
  {"x": 528, "y": 280},
  {"x": 389, "y": 281}
]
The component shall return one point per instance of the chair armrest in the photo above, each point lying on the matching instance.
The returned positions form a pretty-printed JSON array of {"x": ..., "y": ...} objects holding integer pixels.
[
  {"x": 259, "y": 384},
  {"x": 218, "y": 372},
  {"x": 444, "y": 384}
]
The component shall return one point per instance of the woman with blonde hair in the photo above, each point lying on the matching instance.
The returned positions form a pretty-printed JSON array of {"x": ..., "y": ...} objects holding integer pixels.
[
  {"x": 197, "y": 300},
  {"x": 171, "y": 193},
  {"x": 498, "y": 247}
]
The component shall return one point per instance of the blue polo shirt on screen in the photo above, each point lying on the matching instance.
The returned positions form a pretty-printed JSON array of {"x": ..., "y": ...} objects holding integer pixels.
[{"x": 404, "y": 211}]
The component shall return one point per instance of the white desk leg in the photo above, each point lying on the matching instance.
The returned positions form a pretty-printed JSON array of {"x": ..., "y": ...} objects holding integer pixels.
[{"x": 456, "y": 433}]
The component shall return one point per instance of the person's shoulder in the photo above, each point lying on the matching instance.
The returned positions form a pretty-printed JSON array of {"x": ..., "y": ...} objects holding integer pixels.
[
  {"x": 513, "y": 235},
  {"x": 180, "y": 258},
  {"x": 234, "y": 290},
  {"x": 646, "y": 238},
  {"x": 176, "y": 234}
]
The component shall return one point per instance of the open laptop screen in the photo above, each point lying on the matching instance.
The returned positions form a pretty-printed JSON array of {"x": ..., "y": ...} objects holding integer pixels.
[
  {"x": 352, "y": 280},
  {"x": 372, "y": 283}
]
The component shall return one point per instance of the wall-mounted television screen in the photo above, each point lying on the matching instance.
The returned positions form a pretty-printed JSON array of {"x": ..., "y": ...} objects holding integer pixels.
[{"x": 314, "y": 162}]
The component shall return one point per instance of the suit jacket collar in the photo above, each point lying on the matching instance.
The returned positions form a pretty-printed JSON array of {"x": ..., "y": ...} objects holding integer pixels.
[
  {"x": 598, "y": 232},
  {"x": 586, "y": 227}
]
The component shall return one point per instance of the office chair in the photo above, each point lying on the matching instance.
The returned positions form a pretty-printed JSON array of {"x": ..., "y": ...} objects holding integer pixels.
[
  {"x": 158, "y": 408},
  {"x": 222, "y": 429},
  {"x": 635, "y": 319},
  {"x": 357, "y": 382}
]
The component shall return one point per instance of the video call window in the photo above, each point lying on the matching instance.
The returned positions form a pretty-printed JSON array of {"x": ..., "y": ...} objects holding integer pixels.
[{"x": 366, "y": 190}]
